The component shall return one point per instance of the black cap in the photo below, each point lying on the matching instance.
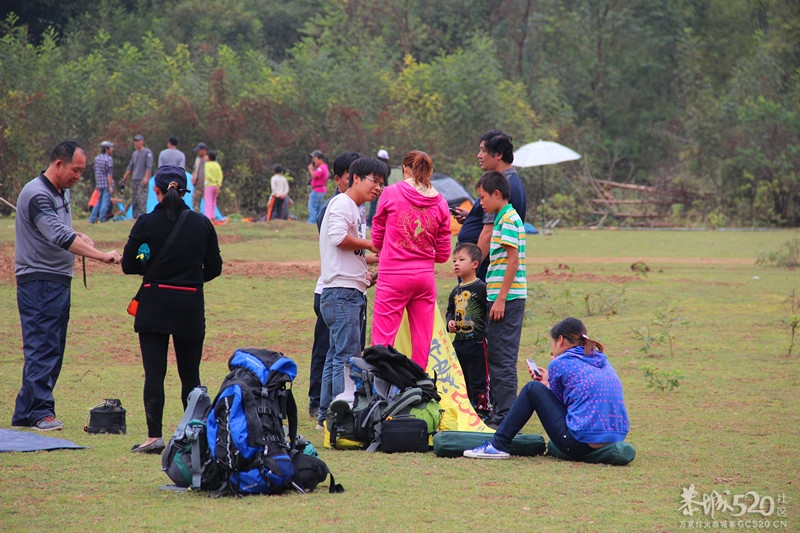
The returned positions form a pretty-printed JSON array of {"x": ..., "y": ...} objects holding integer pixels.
[
  {"x": 200, "y": 146},
  {"x": 167, "y": 174}
]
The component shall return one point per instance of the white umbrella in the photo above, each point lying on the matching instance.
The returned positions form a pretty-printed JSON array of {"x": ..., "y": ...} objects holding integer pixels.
[
  {"x": 539, "y": 154},
  {"x": 543, "y": 153}
]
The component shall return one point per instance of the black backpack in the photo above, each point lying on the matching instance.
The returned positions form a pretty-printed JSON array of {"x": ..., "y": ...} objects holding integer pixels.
[{"x": 392, "y": 392}]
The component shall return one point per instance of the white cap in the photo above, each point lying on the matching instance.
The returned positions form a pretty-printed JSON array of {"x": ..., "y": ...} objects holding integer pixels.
[{"x": 383, "y": 153}]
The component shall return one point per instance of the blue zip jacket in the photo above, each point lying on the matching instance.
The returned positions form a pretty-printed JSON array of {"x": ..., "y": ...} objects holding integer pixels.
[{"x": 592, "y": 392}]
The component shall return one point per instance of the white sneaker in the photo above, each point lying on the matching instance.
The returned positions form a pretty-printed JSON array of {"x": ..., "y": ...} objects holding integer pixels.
[{"x": 486, "y": 451}]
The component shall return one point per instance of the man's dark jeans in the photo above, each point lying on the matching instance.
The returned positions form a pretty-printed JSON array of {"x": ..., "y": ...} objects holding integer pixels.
[
  {"x": 44, "y": 316},
  {"x": 318, "y": 352}
]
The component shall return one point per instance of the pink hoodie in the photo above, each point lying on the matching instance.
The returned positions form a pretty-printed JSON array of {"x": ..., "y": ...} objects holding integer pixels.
[{"x": 411, "y": 231}]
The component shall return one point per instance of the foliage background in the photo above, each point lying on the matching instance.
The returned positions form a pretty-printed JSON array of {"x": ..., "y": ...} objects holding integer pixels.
[{"x": 699, "y": 98}]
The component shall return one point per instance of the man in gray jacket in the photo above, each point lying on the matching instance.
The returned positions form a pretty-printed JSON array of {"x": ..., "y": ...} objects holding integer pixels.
[
  {"x": 140, "y": 169},
  {"x": 44, "y": 256},
  {"x": 171, "y": 155}
]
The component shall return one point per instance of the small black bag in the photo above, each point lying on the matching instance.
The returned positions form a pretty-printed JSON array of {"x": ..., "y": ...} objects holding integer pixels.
[
  {"x": 310, "y": 471},
  {"x": 404, "y": 434},
  {"x": 106, "y": 417}
]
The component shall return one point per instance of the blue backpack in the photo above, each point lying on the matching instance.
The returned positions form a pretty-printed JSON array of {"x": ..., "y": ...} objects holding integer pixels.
[{"x": 245, "y": 432}]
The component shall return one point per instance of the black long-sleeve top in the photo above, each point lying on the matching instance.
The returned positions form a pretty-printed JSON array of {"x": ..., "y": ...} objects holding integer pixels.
[{"x": 191, "y": 260}]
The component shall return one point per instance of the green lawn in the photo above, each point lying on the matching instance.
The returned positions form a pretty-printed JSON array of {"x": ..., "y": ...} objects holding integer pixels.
[{"x": 731, "y": 425}]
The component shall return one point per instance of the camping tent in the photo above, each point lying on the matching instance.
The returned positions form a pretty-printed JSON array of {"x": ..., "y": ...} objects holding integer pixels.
[
  {"x": 455, "y": 194},
  {"x": 443, "y": 366},
  {"x": 152, "y": 201}
]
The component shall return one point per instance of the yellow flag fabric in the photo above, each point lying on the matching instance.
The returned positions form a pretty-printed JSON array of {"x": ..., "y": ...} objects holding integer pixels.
[{"x": 458, "y": 412}]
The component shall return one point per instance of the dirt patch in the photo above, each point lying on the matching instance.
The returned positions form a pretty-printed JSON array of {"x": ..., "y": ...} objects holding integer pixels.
[
  {"x": 647, "y": 260},
  {"x": 230, "y": 239},
  {"x": 7, "y": 264},
  {"x": 310, "y": 269},
  {"x": 265, "y": 269},
  {"x": 550, "y": 275}
]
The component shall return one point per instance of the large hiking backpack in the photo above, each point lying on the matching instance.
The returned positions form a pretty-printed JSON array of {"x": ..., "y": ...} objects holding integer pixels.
[
  {"x": 394, "y": 397},
  {"x": 245, "y": 434},
  {"x": 186, "y": 459}
]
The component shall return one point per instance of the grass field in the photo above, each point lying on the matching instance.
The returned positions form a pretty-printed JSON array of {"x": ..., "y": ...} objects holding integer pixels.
[{"x": 731, "y": 424}]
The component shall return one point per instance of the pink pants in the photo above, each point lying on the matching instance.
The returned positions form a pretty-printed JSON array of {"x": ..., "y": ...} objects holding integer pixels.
[
  {"x": 396, "y": 293},
  {"x": 210, "y": 199}
]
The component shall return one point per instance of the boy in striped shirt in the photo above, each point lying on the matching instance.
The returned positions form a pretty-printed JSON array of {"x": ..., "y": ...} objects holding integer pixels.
[{"x": 506, "y": 290}]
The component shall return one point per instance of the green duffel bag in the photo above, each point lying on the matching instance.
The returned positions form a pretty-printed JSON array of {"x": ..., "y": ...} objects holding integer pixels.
[
  {"x": 618, "y": 453},
  {"x": 453, "y": 443}
]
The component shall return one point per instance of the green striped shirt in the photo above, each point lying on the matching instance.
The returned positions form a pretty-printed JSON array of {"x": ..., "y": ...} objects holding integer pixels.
[{"x": 508, "y": 231}]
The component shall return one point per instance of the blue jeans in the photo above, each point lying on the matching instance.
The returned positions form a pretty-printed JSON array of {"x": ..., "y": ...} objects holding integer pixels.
[
  {"x": 100, "y": 209},
  {"x": 314, "y": 205},
  {"x": 43, "y": 315},
  {"x": 343, "y": 311},
  {"x": 536, "y": 397}
]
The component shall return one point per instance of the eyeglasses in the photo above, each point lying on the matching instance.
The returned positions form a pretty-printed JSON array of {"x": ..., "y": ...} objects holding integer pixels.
[{"x": 375, "y": 181}]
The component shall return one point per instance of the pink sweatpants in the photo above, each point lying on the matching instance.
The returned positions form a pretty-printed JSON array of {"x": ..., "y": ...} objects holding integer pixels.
[
  {"x": 210, "y": 199},
  {"x": 396, "y": 293}
]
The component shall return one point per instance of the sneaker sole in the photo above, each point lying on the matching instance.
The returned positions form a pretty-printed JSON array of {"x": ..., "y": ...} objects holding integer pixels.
[
  {"x": 472, "y": 455},
  {"x": 57, "y": 428}
]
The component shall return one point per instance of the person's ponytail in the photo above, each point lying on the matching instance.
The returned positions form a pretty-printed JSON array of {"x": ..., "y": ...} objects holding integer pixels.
[
  {"x": 172, "y": 201},
  {"x": 574, "y": 332},
  {"x": 590, "y": 346}
]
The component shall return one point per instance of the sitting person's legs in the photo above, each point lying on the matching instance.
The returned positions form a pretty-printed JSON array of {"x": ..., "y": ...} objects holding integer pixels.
[{"x": 536, "y": 397}]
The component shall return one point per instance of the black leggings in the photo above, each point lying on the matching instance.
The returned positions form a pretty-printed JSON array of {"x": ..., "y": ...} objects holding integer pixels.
[{"x": 188, "y": 353}]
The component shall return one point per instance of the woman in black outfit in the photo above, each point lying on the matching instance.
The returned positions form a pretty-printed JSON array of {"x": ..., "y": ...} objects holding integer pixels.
[{"x": 171, "y": 298}]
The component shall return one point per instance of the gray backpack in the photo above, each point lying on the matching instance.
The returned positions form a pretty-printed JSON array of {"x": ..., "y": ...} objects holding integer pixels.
[{"x": 186, "y": 459}]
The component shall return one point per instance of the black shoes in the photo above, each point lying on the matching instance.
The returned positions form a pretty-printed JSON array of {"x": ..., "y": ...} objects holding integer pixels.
[{"x": 155, "y": 447}]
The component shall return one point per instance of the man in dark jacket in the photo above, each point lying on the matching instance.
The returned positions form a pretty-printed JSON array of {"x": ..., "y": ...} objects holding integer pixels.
[{"x": 496, "y": 152}]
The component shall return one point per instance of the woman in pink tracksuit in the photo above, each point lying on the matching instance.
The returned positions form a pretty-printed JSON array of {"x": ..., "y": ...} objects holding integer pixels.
[{"x": 411, "y": 230}]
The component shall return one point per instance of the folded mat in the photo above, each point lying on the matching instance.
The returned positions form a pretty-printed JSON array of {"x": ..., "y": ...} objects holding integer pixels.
[
  {"x": 27, "y": 441},
  {"x": 618, "y": 453},
  {"x": 453, "y": 443}
]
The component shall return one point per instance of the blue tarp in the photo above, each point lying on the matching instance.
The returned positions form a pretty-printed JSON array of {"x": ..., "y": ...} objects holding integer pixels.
[
  {"x": 152, "y": 200},
  {"x": 27, "y": 441}
]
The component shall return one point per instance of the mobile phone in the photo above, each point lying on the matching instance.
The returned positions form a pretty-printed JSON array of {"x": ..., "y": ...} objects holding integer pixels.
[
  {"x": 534, "y": 368},
  {"x": 453, "y": 211}
]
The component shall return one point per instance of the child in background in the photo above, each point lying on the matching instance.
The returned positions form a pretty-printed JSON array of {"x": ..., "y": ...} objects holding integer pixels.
[
  {"x": 506, "y": 290},
  {"x": 213, "y": 184},
  {"x": 466, "y": 317}
]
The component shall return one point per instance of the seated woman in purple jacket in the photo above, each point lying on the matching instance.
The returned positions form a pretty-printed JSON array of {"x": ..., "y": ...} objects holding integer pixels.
[{"x": 578, "y": 399}]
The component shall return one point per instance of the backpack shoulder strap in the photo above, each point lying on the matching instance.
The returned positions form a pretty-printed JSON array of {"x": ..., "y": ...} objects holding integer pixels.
[
  {"x": 291, "y": 416},
  {"x": 172, "y": 235},
  {"x": 197, "y": 405}
]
